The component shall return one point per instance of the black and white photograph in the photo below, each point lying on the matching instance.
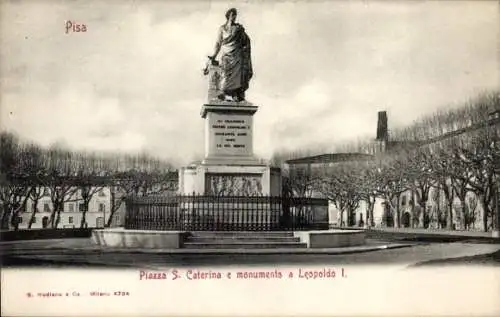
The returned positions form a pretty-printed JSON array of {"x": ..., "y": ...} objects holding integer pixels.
[{"x": 267, "y": 158}]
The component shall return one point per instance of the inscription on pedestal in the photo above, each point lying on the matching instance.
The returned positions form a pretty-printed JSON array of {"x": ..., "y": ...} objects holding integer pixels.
[{"x": 229, "y": 135}]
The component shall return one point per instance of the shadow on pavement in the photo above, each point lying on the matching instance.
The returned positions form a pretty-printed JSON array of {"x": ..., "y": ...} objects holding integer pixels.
[
  {"x": 15, "y": 262},
  {"x": 428, "y": 237},
  {"x": 482, "y": 259}
]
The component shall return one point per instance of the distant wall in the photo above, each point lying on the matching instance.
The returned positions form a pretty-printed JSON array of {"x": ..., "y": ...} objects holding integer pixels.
[
  {"x": 37, "y": 234},
  {"x": 69, "y": 220}
]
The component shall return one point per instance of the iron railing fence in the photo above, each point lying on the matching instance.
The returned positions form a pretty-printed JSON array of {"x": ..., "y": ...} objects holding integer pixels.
[{"x": 229, "y": 213}]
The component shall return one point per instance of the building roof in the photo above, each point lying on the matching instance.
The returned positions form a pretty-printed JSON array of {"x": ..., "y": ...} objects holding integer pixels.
[
  {"x": 331, "y": 158},
  {"x": 394, "y": 145}
]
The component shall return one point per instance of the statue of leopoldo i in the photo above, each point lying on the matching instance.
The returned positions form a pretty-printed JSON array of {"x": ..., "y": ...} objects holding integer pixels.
[{"x": 230, "y": 76}]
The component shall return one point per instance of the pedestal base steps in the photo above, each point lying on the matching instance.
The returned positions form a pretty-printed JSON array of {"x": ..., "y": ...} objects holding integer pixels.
[
  {"x": 152, "y": 239},
  {"x": 242, "y": 240}
]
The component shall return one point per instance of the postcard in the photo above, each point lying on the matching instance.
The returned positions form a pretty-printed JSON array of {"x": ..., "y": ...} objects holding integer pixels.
[{"x": 249, "y": 158}]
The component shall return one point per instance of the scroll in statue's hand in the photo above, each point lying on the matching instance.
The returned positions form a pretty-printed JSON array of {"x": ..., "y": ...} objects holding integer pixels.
[{"x": 211, "y": 62}]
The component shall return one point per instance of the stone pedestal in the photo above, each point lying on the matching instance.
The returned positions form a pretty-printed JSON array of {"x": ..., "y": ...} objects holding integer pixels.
[
  {"x": 229, "y": 133},
  {"x": 229, "y": 167}
]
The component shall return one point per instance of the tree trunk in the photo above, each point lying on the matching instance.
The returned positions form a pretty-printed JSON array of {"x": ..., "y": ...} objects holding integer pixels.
[
  {"x": 383, "y": 222},
  {"x": 372, "y": 220},
  {"x": 352, "y": 212},
  {"x": 465, "y": 214},
  {"x": 422, "y": 201},
  {"x": 486, "y": 212},
  {"x": 438, "y": 208},
  {"x": 15, "y": 215},
  {"x": 13, "y": 220},
  {"x": 422, "y": 206},
  {"x": 369, "y": 212},
  {"x": 58, "y": 219},
  {"x": 349, "y": 217},
  {"x": 55, "y": 215},
  {"x": 449, "y": 222},
  {"x": 397, "y": 213},
  {"x": 52, "y": 218},
  {"x": 393, "y": 210},
  {"x": 5, "y": 216},
  {"x": 84, "y": 219},
  {"x": 33, "y": 213},
  {"x": 115, "y": 206},
  {"x": 86, "y": 202}
]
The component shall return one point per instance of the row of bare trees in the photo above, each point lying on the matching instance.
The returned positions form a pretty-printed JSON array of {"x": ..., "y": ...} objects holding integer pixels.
[
  {"x": 450, "y": 156},
  {"x": 29, "y": 172}
]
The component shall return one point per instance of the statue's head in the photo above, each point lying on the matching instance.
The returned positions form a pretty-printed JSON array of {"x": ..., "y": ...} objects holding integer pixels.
[{"x": 231, "y": 14}]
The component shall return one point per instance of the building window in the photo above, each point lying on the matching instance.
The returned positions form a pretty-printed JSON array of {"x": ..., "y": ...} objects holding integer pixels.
[
  {"x": 46, "y": 207},
  {"x": 71, "y": 207},
  {"x": 101, "y": 193},
  {"x": 403, "y": 200},
  {"x": 34, "y": 220},
  {"x": 102, "y": 207},
  {"x": 19, "y": 220},
  {"x": 46, "y": 191},
  {"x": 82, "y": 207},
  {"x": 70, "y": 220}
]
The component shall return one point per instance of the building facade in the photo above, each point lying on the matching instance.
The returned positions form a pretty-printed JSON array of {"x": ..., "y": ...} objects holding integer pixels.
[
  {"x": 436, "y": 211},
  {"x": 96, "y": 215}
]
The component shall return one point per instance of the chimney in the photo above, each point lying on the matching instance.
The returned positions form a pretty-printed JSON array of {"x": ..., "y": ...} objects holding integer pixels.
[{"x": 382, "y": 128}]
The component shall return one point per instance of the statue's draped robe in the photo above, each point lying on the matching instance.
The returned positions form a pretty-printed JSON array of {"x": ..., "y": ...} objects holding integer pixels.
[{"x": 236, "y": 64}]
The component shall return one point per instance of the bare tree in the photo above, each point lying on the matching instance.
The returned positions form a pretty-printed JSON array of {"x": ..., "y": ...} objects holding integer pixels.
[
  {"x": 392, "y": 182},
  {"x": 477, "y": 157},
  {"x": 35, "y": 166},
  {"x": 443, "y": 164},
  {"x": 367, "y": 184},
  {"x": 92, "y": 176},
  {"x": 420, "y": 180},
  {"x": 60, "y": 181},
  {"x": 340, "y": 184},
  {"x": 14, "y": 166},
  {"x": 13, "y": 197},
  {"x": 35, "y": 195},
  {"x": 471, "y": 216},
  {"x": 139, "y": 176},
  {"x": 301, "y": 180}
]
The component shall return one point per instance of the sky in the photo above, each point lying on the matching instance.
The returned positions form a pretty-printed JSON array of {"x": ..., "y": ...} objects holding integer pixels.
[{"x": 133, "y": 81}]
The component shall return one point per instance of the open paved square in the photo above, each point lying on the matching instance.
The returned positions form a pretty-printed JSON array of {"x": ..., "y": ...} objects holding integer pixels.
[{"x": 81, "y": 252}]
